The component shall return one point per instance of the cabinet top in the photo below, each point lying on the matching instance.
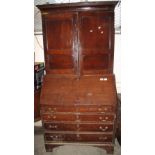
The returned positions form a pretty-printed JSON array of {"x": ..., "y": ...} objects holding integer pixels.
[{"x": 78, "y": 4}]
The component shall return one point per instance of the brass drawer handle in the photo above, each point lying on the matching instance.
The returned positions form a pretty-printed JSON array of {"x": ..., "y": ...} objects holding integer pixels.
[
  {"x": 105, "y": 109},
  {"x": 52, "y": 109},
  {"x": 101, "y": 118},
  {"x": 106, "y": 118},
  {"x": 103, "y": 129},
  {"x": 50, "y": 117},
  {"x": 54, "y": 117},
  {"x": 53, "y": 126},
  {"x": 101, "y": 109},
  {"x": 54, "y": 137}
]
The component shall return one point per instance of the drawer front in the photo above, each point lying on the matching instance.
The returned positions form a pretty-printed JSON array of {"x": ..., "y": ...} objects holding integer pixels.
[
  {"x": 58, "y": 117},
  {"x": 78, "y": 127},
  {"x": 78, "y": 117},
  {"x": 78, "y": 137},
  {"x": 96, "y": 118},
  {"x": 60, "y": 127},
  {"x": 98, "y": 109}
]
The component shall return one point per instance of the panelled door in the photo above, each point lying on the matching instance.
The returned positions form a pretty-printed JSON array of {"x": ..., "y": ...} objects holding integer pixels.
[
  {"x": 60, "y": 48},
  {"x": 96, "y": 42},
  {"x": 79, "y": 43}
]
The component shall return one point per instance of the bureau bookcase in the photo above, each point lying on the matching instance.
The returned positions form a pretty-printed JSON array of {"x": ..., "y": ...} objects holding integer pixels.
[{"x": 78, "y": 97}]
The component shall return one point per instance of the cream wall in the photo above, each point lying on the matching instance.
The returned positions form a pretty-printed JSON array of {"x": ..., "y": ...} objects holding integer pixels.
[
  {"x": 117, "y": 61},
  {"x": 39, "y": 56}
]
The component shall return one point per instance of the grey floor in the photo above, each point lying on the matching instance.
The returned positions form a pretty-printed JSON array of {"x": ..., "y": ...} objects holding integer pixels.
[{"x": 69, "y": 149}]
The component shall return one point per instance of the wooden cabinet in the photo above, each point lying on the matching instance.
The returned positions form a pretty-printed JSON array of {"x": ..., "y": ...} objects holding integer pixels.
[{"x": 78, "y": 97}]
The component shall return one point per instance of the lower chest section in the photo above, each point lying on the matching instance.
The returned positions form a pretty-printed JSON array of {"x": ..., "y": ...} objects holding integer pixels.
[{"x": 82, "y": 112}]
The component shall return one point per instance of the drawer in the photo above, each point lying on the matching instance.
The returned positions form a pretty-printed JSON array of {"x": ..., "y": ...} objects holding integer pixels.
[
  {"x": 78, "y": 117},
  {"x": 96, "y": 118},
  {"x": 78, "y": 127},
  {"x": 98, "y": 109},
  {"x": 78, "y": 137},
  {"x": 58, "y": 117}
]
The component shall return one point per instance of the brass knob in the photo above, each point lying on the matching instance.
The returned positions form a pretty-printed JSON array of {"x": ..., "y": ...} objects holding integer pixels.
[
  {"x": 106, "y": 127},
  {"x": 54, "y": 117},
  {"x": 106, "y": 118},
  {"x": 105, "y": 109},
  {"x": 99, "y": 109},
  {"x": 100, "y": 118}
]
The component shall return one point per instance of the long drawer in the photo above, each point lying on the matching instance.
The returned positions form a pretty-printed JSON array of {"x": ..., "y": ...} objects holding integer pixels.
[
  {"x": 92, "y": 108},
  {"x": 78, "y": 137},
  {"x": 78, "y": 127},
  {"x": 78, "y": 117}
]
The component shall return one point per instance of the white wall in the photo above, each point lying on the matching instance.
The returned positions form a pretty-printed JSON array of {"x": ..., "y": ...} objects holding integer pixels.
[
  {"x": 117, "y": 61},
  {"x": 39, "y": 56},
  {"x": 38, "y": 48}
]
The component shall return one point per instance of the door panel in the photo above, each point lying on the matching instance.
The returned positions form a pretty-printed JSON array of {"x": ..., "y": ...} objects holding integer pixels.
[
  {"x": 99, "y": 61},
  {"x": 59, "y": 34},
  {"x": 60, "y": 45},
  {"x": 96, "y": 42}
]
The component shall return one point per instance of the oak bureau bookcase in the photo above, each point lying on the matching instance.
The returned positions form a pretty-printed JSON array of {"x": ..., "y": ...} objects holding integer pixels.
[{"x": 78, "y": 97}]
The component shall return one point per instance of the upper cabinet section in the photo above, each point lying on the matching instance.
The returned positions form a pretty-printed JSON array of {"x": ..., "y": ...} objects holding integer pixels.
[{"x": 78, "y": 37}]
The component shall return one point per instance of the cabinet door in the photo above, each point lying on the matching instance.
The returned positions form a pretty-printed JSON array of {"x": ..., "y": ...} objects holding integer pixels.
[
  {"x": 96, "y": 42},
  {"x": 59, "y": 43}
]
